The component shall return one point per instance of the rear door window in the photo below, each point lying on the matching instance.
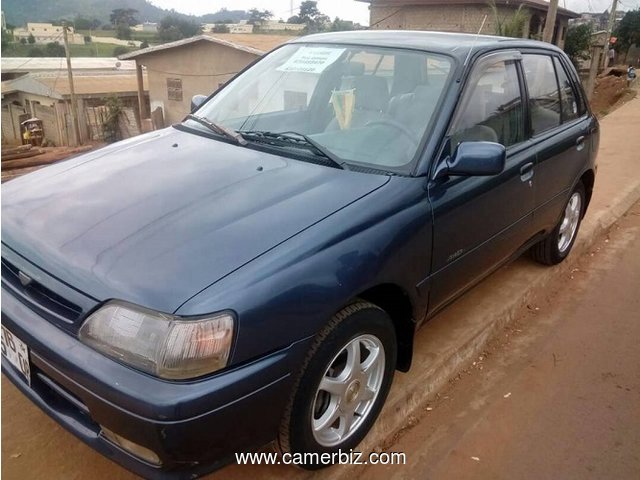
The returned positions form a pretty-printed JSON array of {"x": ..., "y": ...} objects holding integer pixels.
[
  {"x": 544, "y": 95},
  {"x": 569, "y": 101}
]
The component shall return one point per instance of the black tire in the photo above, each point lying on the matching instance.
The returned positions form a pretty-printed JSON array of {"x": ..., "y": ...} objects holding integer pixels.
[
  {"x": 296, "y": 434},
  {"x": 548, "y": 251}
]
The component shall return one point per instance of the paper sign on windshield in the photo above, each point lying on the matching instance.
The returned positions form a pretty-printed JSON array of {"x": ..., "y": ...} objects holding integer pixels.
[{"x": 311, "y": 60}]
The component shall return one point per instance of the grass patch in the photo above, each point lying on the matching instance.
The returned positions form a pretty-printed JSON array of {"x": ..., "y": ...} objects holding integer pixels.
[{"x": 87, "y": 50}]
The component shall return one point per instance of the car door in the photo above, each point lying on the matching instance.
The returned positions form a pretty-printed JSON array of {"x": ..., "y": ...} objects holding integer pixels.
[
  {"x": 480, "y": 221},
  {"x": 561, "y": 130}
]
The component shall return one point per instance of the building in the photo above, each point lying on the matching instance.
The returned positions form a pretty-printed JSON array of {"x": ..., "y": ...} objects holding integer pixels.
[
  {"x": 598, "y": 21},
  {"x": 276, "y": 26},
  {"x": 463, "y": 16},
  {"x": 44, "y": 33},
  {"x": 146, "y": 27},
  {"x": 199, "y": 65},
  {"x": 47, "y": 96},
  {"x": 231, "y": 27}
]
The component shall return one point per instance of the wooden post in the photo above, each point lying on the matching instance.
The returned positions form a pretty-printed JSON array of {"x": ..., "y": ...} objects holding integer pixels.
[
  {"x": 74, "y": 104},
  {"x": 142, "y": 106},
  {"x": 596, "y": 51},
  {"x": 550, "y": 24}
]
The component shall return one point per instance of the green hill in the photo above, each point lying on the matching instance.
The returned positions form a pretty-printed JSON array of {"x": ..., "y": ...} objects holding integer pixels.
[{"x": 18, "y": 12}]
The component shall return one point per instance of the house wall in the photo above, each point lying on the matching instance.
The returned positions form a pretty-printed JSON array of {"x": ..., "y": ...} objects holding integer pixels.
[
  {"x": 445, "y": 18},
  {"x": 197, "y": 68},
  {"x": 44, "y": 33}
]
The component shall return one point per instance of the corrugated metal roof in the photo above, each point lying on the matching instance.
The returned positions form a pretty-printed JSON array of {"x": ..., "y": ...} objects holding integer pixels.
[
  {"x": 187, "y": 41},
  {"x": 35, "y": 64},
  {"x": 58, "y": 86}
]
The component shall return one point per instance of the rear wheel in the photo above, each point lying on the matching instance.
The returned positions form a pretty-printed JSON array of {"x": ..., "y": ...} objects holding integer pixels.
[
  {"x": 343, "y": 384},
  {"x": 557, "y": 245}
]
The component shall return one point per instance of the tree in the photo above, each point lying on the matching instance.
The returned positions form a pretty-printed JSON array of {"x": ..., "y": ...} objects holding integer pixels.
[
  {"x": 339, "y": 25},
  {"x": 31, "y": 39},
  {"x": 126, "y": 16},
  {"x": 123, "y": 19},
  {"x": 144, "y": 44},
  {"x": 23, "y": 41},
  {"x": 54, "y": 49},
  {"x": 577, "y": 44},
  {"x": 81, "y": 23},
  {"x": 256, "y": 17},
  {"x": 628, "y": 31},
  {"x": 220, "y": 28},
  {"x": 173, "y": 28},
  {"x": 311, "y": 16}
]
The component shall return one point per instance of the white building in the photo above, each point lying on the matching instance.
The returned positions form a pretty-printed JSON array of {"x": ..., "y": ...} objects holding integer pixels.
[
  {"x": 44, "y": 33},
  {"x": 274, "y": 25},
  {"x": 233, "y": 27},
  {"x": 145, "y": 27}
]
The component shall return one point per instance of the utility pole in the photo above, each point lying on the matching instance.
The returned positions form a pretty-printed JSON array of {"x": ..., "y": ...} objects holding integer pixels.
[
  {"x": 550, "y": 24},
  {"x": 612, "y": 19},
  {"x": 74, "y": 100}
]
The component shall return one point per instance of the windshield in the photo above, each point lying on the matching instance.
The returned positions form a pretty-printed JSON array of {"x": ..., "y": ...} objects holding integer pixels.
[{"x": 366, "y": 106}]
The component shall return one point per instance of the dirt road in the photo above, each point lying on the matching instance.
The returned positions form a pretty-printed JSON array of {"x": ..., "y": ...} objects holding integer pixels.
[{"x": 557, "y": 395}]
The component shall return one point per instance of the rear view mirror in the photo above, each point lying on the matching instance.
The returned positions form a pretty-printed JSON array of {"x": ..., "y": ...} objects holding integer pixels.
[
  {"x": 475, "y": 159},
  {"x": 196, "y": 101}
]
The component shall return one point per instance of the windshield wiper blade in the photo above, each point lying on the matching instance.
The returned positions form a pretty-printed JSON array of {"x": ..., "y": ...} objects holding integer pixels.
[
  {"x": 219, "y": 129},
  {"x": 297, "y": 139}
]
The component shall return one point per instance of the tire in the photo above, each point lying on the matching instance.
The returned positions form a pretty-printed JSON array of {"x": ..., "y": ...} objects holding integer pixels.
[
  {"x": 317, "y": 421},
  {"x": 557, "y": 245}
]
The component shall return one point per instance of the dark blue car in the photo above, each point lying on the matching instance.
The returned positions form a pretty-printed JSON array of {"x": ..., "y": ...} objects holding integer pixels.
[{"x": 256, "y": 273}]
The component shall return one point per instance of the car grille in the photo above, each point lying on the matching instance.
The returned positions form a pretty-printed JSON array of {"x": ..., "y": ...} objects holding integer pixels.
[{"x": 38, "y": 297}]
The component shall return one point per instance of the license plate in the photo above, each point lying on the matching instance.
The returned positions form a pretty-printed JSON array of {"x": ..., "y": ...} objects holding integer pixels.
[{"x": 16, "y": 352}]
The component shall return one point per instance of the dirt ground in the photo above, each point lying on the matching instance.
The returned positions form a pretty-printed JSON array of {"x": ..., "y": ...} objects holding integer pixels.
[
  {"x": 611, "y": 92},
  {"x": 556, "y": 395}
]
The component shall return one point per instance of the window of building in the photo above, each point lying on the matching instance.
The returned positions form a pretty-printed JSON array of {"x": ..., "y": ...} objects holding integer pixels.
[
  {"x": 174, "y": 89},
  {"x": 493, "y": 111},
  {"x": 544, "y": 95}
]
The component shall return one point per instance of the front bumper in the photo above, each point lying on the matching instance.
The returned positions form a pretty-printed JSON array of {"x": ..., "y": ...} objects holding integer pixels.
[{"x": 194, "y": 427}]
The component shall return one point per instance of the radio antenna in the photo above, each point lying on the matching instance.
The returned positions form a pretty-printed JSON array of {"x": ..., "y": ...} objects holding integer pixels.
[{"x": 473, "y": 45}]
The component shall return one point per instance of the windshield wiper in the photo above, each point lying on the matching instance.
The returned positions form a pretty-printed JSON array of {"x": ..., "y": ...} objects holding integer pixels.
[
  {"x": 219, "y": 129},
  {"x": 297, "y": 140}
]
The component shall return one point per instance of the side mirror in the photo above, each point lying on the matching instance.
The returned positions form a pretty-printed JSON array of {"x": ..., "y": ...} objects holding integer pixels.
[
  {"x": 471, "y": 159},
  {"x": 196, "y": 101}
]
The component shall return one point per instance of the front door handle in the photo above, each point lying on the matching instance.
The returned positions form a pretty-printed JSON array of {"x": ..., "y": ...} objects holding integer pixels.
[
  {"x": 580, "y": 142},
  {"x": 526, "y": 172}
]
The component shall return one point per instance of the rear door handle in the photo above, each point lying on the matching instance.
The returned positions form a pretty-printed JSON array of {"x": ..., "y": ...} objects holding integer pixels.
[{"x": 526, "y": 172}]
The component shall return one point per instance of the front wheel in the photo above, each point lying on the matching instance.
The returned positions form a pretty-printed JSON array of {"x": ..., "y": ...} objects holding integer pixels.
[
  {"x": 557, "y": 245},
  {"x": 343, "y": 385}
]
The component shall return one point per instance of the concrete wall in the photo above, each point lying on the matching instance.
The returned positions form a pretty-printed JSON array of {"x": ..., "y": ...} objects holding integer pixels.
[{"x": 199, "y": 67}]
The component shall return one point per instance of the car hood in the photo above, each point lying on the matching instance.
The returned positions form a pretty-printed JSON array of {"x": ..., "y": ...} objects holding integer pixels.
[{"x": 156, "y": 219}]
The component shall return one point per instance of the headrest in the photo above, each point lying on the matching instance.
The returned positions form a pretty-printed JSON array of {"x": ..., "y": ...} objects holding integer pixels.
[{"x": 372, "y": 93}]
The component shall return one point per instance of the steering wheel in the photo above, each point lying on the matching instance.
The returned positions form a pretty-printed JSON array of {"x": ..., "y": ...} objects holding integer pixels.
[{"x": 398, "y": 126}]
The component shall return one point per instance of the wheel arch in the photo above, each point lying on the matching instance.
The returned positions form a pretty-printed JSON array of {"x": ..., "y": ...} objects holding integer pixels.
[
  {"x": 394, "y": 300},
  {"x": 588, "y": 179}
]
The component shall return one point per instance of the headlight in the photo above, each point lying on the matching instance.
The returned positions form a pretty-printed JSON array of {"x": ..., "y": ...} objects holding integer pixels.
[{"x": 160, "y": 344}]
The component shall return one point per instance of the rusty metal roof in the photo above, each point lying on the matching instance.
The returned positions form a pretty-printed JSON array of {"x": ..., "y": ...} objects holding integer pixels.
[
  {"x": 57, "y": 86},
  {"x": 188, "y": 41}
]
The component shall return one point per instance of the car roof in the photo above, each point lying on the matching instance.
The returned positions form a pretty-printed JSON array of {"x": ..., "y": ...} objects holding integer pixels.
[{"x": 456, "y": 44}]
